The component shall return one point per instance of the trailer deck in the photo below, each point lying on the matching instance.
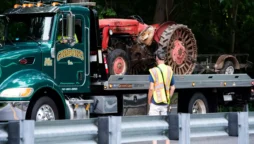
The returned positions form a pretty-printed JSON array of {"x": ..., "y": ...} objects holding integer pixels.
[{"x": 140, "y": 82}]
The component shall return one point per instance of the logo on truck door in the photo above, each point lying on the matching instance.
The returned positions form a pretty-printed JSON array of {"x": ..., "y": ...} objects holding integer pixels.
[{"x": 70, "y": 52}]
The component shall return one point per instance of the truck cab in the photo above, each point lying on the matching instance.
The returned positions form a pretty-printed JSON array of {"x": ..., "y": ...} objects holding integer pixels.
[{"x": 44, "y": 55}]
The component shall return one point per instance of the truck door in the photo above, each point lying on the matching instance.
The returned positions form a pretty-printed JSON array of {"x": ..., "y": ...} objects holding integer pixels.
[{"x": 71, "y": 60}]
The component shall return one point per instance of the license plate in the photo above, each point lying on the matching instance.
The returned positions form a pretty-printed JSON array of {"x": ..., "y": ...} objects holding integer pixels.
[{"x": 227, "y": 97}]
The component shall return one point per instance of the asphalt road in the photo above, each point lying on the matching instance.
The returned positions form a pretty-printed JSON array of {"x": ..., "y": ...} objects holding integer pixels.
[
  {"x": 6, "y": 113},
  {"x": 211, "y": 140}
]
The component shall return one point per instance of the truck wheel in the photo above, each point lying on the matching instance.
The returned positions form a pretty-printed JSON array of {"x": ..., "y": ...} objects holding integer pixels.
[
  {"x": 198, "y": 104},
  {"x": 118, "y": 62},
  {"x": 44, "y": 109},
  {"x": 228, "y": 68}
]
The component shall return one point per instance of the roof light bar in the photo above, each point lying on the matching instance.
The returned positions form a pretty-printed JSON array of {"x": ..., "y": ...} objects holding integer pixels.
[
  {"x": 39, "y": 4},
  {"x": 84, "y": 3},
  {"x": 17, "y": 5}
]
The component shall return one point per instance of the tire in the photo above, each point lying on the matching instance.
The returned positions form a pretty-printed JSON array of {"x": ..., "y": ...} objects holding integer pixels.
[
  {"x": 199, "y": 99},
  {"x": 118, "y": 56},
  {"x": 182, "y": 60},
  {"x": 49, "y": 104},
  {"x": 228, "y": 65}
]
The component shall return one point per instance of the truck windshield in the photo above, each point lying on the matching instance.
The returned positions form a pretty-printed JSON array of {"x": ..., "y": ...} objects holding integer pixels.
[{"x": 23, "y": 28}]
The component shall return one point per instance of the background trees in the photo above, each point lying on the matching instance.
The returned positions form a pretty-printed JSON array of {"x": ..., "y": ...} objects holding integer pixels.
[{"x": 220, "y": 26}]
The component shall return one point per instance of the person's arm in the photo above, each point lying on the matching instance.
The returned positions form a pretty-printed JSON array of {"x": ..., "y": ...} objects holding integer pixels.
[
  {"x": 172, "y": 87},
  {"x": 151, "y": 88}
]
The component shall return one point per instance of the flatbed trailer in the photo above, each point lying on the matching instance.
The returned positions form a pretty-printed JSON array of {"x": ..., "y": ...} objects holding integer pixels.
[
  {"x": 48, "y": 79},
  {"x": 205, "y": 91}
]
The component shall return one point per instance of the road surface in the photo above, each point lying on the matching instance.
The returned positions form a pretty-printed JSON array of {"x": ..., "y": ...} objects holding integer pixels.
[
  {"x": 211, "y": 140},
  {"x": 10, "y": 113}
]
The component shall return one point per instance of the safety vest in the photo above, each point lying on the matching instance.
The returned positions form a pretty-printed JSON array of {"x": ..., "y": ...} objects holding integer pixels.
[
  {"x": 75, "y": 36},
  {"x": 159, "y": 92}
]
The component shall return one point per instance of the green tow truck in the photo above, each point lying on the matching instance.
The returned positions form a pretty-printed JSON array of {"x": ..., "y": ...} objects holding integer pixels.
[{"x": 52, "y": 67}]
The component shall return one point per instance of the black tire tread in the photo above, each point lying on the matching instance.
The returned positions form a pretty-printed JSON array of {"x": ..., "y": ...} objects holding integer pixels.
[
  {"x": 226, "y": 64},
  {"x": 114, "y": 54},
  {"x": 166, "y": 37},
  {"x": 194, "y": 98}
]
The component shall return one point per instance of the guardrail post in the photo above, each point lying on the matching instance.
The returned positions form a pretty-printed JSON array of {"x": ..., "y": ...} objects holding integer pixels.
[
  {"x": 184, "y": 128},
  {"x": 243, "y": 128},
  {"x": 109, "y": 130},
  {"x": 233, "y": 124},
  {"x": 21, "y": 132},
  {"x": 14, "y": 132},
  {"x": 115, "y": 129},
  {"x": 27, "y": 131},
  {"x": 103, "y": 130},
  {"x": 173, "y": 130}
]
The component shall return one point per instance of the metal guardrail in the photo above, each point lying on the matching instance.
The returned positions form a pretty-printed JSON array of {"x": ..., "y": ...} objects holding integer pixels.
[
  {"x": 251, "y": 123},
  {"x": 3, "y": 133},
  {"x": 67, "y": 131},
  {"x": 116, "y": 130},
  {"x": 208, "y": 125}
]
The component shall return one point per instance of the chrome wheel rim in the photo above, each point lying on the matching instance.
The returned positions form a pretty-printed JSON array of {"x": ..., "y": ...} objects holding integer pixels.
[
  {"x": 229, "y": 70},
  {"x": 45, "y": 113},
  {"x": 199, "y": 107}
]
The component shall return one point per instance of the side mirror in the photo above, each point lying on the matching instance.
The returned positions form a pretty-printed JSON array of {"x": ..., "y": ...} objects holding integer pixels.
[{"x": 70, "y": 31}]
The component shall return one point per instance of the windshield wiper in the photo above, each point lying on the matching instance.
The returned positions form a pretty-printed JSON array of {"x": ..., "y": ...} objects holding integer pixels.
[{"x": 34, "y": 40}]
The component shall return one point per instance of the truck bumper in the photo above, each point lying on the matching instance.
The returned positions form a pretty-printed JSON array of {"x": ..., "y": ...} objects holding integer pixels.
[{"x": 13, "y": 110}]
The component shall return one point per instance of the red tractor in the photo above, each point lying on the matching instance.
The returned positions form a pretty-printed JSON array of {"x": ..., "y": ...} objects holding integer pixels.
[{"x": 130, "y": 45}]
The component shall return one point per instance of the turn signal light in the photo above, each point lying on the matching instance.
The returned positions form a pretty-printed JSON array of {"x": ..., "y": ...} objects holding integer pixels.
[
  {"x": 17, "y": 5},
  {"x": 225, "y": 83},
  {"x": 193, "y": 84},
  {"x": 110, "y": 85},
  {"x": 26, "y": 92}
]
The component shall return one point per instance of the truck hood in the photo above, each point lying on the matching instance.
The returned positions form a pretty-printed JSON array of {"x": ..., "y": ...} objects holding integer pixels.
[{"x": 10, "y": 57}]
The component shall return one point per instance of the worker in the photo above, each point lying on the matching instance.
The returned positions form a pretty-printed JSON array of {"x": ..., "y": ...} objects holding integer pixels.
[
  {"x": 64, "y": 40},
  {"x": 161, "y": 87}
]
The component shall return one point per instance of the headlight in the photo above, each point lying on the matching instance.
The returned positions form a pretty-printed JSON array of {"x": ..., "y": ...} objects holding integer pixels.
[
  {"x": 17, "y": 92},
  {"x": 110, "y": 32}
]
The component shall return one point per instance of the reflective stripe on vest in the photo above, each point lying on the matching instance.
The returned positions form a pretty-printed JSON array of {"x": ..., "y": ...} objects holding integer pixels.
[{"x": 159, "y": 92}]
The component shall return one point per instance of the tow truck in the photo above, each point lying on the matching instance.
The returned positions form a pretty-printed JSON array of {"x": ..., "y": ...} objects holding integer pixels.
[{"x": 52, "y": 67}]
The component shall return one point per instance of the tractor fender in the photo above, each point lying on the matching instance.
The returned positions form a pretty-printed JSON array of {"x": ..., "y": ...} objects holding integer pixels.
[
  {"x": 221, "y": 60},
  {"x": 160, "y": 29},
  {"x": 34, "y": 79},
  {"x": 105, "y": 38}
]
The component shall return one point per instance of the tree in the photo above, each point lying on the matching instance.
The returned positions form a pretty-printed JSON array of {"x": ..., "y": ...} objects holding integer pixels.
[{"x": 162, "y": 11}]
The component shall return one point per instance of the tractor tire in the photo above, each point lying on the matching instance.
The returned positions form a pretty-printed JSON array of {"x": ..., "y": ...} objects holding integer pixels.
[
  {"x": 118, "y": 62},
  {"x": 228, "y": 68},
  {"x": 180, "y": 46}
]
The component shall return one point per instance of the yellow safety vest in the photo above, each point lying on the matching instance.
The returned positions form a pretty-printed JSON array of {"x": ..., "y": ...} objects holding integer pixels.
[
  {"x": 159, "y": 92},
  {"x": 76, "y": 39}
]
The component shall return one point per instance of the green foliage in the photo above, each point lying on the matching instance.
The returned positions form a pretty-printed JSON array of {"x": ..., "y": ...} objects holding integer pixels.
[
  {"x": 107, "y": 12},
  {"x": 126, "y": 8}
]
